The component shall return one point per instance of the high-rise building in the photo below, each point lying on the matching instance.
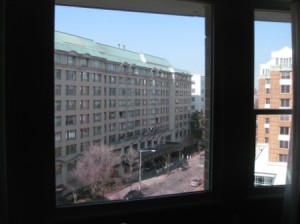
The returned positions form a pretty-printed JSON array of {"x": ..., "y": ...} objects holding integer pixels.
[
  {"x": 111, "y": 96},
  {"x": 198, "y": 92},
  {"x": 273, "y": 131}
]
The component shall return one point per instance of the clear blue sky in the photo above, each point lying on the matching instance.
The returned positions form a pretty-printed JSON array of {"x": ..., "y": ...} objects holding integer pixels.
[
  {"x": 270, "y": 36},
  {"x": 178, "y": 39}
]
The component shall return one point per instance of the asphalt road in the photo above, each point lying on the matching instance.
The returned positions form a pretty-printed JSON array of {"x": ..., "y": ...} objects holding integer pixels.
[{"x": 176, "y": 181}]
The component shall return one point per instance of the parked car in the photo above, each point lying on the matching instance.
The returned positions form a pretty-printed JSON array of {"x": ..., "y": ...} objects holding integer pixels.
[
  {"x": 196, "y": 182},
  {"x": 133, "y": 194}
]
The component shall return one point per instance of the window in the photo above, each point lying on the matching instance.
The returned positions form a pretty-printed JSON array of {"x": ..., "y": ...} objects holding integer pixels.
[
  {"x": 57, "y": 105},
  {"x": 284, "y": 130},
  {"x": 70, "y": 75},
  {"x": 97, "y": 77},
  {"x": 272, "y": 108},
  {"x": 71, "y": 105},
  {"x": 57, "y": 90},
  {"x": 97, "y": 104},
  {"x": 84, "y": 104},
  {"x": 264, "y": 180},
  {"x": 116, "y": 91},
  {"x": 57, "y": 74},
  {"x": 70, "y": 149},
  {"x": 70, "y": 90},
  {"x": 84, "y": 132},
  {"x": 283, "y": 144},
  {"x": 57, "y": 121},
  {"x": 84, "y": 90},
  {"x": 285, "y": 103},
  {"x": 285, "y": 75},
  {"x": 232, "y": 37},
  {"x": 84, "y": 118},
  {"x": 58, "y": 137},
  {"x": 70, "y": 135},
  {"x": 71, "y": 120},
  {"x": 57, "y": 152},
  {"x": 285, "y": 88}
]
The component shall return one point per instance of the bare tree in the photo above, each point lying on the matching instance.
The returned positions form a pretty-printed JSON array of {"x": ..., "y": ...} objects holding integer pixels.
[
  {"x": 94, "y": 170},
  {"x": 130, "y": 158}
]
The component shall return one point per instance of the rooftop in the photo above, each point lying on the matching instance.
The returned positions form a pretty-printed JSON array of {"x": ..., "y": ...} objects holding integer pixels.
[{"x": 83, "y": 46}]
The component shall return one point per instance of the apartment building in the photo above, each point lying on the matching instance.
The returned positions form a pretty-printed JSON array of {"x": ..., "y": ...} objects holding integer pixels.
[
  {"x": 273, "y": 131},
  {"x": 111, "y": 96},
  {"x": 198, "y": 92}
]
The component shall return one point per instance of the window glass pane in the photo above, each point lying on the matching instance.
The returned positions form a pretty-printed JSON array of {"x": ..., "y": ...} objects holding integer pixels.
[
  {"x": 273, "y": 66},
  {"x": 272, "y": 101},
  {"x": 143, "y": 118},
  {"x": 272, "y": 148}
]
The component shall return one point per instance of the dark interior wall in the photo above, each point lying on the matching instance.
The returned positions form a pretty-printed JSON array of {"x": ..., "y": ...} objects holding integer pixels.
[{"x": 27, "y": 100}]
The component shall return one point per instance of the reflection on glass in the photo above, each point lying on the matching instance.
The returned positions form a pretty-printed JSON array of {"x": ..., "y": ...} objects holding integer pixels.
[{"x": 142, "y": 121}]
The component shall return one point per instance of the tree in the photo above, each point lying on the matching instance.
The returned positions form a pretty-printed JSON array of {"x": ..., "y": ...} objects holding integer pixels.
[
  {"x": 130, "y": 159},
  {"x": 94, "y": 170},
  {"x": 197, "y": 123}
]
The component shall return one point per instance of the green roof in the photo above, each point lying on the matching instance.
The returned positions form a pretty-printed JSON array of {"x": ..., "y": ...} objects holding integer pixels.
[{"x": 68, "y": 42}]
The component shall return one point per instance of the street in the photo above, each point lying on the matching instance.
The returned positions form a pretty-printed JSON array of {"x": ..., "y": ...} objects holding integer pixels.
[{"x": 176, "y": 181}]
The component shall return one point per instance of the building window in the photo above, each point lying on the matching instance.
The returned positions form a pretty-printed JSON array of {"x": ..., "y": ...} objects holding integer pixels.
[
  {"x": 84, "y": 104},
  {"x": 57, "y": 121},
  {"x": 285, "y": 88},
  {"x": 57, "y": 58},
  {"x": 83, "y": 62},
  {"x": 97, "y": 130},
  {"x": 57, "y": 105},
  {"x": 71, "y": 134},
  {"x": 266, "y": 139},
  {"x": 71, "y": 105},
  {"x": 97, "y": 104},
  {"x": 57, "y": 74},
  {"x": 84, "y": 90},
  {"x": 70, "y": 90},
  {"x": 285, "y": 75},
  {"x": 283, "y": 144},
  {"x": 284, "y": 117},
  {"x": 284, "y": 130},
  {"x": 58, "y": 137},
  {"x": 84, "y": 118},
  {"x": 57, "y": 90},
  {"x": 97, "y": 77},
  {"x": 70, "y": 60},
  {"x": 58, "y": 152},
  {"x": 264, "y": 180},
  {"x": 283, "y": 158},
  {"x": 284, "y": 102},
  {"x": 84, "y": 146},
  {"x": 84, "y": 132},
  {"x": 97, "y": 91},
  {"x": 70, "y": 75},
  {"x": 71, "y": 120},
  {"x": 267, "y": 120},
  {"x": 97, "y": 117}
]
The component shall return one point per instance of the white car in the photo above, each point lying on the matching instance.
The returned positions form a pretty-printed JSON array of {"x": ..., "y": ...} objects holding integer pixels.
[{"x": 196, "y": 182}]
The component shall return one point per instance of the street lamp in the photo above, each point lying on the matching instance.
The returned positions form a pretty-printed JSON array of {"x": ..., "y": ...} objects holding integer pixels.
[{"x": 140, "y": 171}]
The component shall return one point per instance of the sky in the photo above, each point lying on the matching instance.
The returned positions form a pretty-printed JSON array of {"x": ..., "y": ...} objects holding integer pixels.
[{"x": 179, "y": 39}]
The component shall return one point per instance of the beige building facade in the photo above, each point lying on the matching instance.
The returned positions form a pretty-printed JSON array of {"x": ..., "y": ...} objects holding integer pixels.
[{"x": 118, "y": 98}]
